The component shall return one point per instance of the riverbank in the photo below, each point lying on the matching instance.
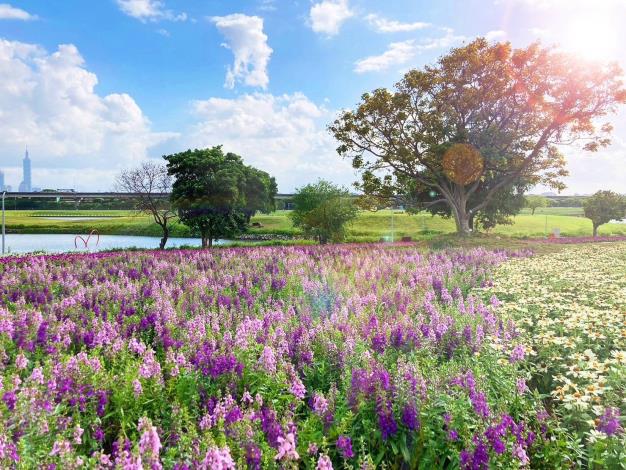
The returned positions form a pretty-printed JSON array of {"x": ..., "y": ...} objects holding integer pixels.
[{"x": 368, "y": 227}]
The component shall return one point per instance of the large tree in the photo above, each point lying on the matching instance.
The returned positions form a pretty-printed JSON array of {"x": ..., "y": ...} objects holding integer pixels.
[
  {"x": 150, "y": 181},
  {"x": 216, "y": 194},
  {"x": 603, "y": 207},
  {"x": 483, "y": 119}
]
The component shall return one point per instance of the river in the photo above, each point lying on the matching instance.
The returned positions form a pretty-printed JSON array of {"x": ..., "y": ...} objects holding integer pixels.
[{"x": 59, "y": 243}]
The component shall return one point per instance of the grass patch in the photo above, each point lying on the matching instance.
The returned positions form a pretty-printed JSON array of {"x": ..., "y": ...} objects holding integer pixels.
[{"x": 368, "y": 227}]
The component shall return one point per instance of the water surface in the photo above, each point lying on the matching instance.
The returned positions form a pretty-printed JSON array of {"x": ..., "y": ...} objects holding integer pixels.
[{"x": 59, "y": 243}]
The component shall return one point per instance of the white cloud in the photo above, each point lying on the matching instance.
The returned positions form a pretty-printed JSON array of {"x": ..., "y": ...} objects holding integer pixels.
[
  {"x": 284, "y": 135},
  {"x": 383, "y": 25},
  {"x": 8, "y": 12},
  {"x": 399, "y": 53},
  {"x": 326, "y": 17},
  {"x": 149, "y": 10},
  {"x": 244, "y": 36},
  {"x": 48, "y": 102},
  {"x": 495, "y": 35},
  {"x": 267, "y": 5}
]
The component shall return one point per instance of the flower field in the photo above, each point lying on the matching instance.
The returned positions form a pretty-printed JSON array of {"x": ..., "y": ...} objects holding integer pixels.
[
  {"x": 570, "y": 308},
  {"x": 305, "y": 357}
]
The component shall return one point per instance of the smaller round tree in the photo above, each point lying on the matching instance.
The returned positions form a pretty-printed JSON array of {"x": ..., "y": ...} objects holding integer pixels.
[
  {"x": 603, "y": 207},
  {"x": 322, "y": 211},
  {"x": 535, "y": 202}
]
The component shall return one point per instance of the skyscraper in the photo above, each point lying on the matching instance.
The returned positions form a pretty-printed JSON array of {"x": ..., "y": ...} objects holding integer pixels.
[{"x": 25, "y": 185}]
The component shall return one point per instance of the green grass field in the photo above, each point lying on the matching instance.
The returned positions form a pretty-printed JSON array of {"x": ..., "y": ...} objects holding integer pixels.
[{"x": 369, "y": 226}]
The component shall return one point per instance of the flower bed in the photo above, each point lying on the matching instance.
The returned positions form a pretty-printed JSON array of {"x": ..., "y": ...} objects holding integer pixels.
[
  {"x": 264, "y": 358},
  {"x": 570, "y": 307},
  {"x": 576, "y": 240}
]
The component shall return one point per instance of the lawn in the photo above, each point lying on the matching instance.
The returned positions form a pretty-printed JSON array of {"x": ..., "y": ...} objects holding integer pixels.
[{"x": 368, "y": 227}]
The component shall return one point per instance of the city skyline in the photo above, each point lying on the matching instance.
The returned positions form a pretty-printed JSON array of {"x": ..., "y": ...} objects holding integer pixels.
[{"x": 100, "y": 89}]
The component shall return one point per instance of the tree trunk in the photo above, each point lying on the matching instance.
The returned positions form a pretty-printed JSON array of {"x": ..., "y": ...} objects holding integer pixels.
[
  {"x": 463, "y": 224},
  {"x": 457, "y": 200},
  {"x": 204, "y": 241},
  {"x": 210, "y": 242},
  {"x": 595, "y": 230},
  {"x": 533, "y": 211},
  {"x": 165, "y": 237}
]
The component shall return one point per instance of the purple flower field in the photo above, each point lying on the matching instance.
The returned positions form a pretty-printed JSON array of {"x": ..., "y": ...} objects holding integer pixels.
[{"x": 301, "y": 357}]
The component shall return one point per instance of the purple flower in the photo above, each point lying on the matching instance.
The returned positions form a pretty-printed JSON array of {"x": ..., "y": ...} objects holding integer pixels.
[
  {"x": 410, "y": 418},
  {"x": 517, "y": 354},
  {"x": 344, "y": 445},
  {"x": 479, "y": 402},
  {"x": 253, "y": 457},
  {"x": 609, "y": 422},
  {"x": 386, "y": 422},
  {"x": 10, "y": 399}
]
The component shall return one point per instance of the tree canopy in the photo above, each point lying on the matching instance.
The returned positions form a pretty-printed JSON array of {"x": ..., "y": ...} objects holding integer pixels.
[
  {"x": 322, "y": 211},
  {"x": 509, "y": 109},
  {"x": 216, "y": 193},
  {"x": 603, "y": 207}
]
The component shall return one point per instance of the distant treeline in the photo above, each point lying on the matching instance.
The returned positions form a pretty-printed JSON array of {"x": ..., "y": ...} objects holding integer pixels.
[
  {"x": 68, "y": 204},
  {"x": 128, "y": 204},
  {"x": 566, "y": 201}
]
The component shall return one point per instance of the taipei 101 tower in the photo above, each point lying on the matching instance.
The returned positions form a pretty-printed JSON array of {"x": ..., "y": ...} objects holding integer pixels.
[{"x": 25, "y": 185}]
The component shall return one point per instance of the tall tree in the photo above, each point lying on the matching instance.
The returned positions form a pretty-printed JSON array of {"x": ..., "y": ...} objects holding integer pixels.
[
  {"x": 150, "y": 181},
  {"x": 216, "y": 194},
  {"x": 501, "y": 112},
  {"x": 603, "y": 207},
  {"x": 322, "y": 211}
]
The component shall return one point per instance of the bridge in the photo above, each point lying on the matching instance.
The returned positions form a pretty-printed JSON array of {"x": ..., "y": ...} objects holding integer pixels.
[{"x": 97, "y": 195}]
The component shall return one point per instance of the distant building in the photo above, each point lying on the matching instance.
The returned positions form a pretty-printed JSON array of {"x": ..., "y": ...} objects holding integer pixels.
[
  {"x": 26, "y": 184},
  {"x": 2, "y": 187}
]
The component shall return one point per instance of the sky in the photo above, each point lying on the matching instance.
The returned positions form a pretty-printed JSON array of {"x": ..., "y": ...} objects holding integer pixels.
[{"x": 94, "y": 87}]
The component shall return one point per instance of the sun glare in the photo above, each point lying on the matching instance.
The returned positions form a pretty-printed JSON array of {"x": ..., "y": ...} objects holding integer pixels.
[{"x": 592, "y": 35}]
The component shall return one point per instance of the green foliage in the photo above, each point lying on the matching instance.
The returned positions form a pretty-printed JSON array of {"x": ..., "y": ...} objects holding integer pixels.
[
  {"x": 603, "y": 207},
  {"x": 216, "y": 194},
  {"x": 535, "y": 202},
  {"x": 322, "y": 211}
]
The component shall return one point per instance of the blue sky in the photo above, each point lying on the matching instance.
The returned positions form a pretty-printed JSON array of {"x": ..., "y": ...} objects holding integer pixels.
[{"x": 94, "y": 87}]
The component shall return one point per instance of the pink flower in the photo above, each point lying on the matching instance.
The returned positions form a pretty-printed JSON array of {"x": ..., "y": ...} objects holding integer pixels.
[
  {"x": 520, "y": 453},
  {"x": 320, "y": 404},
  {"x": 297, "y": 387},
  {"x": 268, "y": 359},
  {"x": 218, "y": 459},
  {"x": 287, "y": 448},
  {"x": 78, "y": 433},
  {"x": 21, "y": 362},
  {"x": 521, "y": 386},
  {"x": 37, "y": 375},
  {"x": 137, "y": 388},
  {"x": 313, "y": 449},
  {"x": 61, "y": 447},
  {"x": 149, "y": 442},
  {"x": 324, "y": 463}
]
